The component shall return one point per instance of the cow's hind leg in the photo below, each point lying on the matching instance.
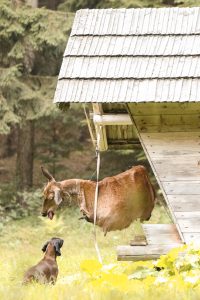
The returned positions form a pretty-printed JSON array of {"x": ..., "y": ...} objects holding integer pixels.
[{"x": 139, "y": 235}]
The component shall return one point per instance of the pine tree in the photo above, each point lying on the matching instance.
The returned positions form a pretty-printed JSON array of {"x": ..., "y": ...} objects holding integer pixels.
[
  {"x": 73, "y": 5},
  {"x": 31, "y": 46}
]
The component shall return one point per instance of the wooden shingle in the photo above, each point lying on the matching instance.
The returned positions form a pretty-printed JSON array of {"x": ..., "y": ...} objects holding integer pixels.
[{"x": 132, "y": 55}]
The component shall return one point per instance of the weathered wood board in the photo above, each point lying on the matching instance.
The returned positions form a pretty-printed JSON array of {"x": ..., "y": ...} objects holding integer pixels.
[
  {"x": 175, "y": 159},
  {"x": 191, "y": 237},
  {"x": 181, "y": 187},
  {"x": 185, "y": 203},
  {"x": 154, "y": 108},
  {"x": 155, "y": 118},
  {"x": 161, "y": 238},
  {"x": 161, "y": 234},
  {"x": 188, "y": 214}
]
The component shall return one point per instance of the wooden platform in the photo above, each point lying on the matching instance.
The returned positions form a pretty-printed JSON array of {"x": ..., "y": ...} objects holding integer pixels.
[{"x": 161, "y": 238}]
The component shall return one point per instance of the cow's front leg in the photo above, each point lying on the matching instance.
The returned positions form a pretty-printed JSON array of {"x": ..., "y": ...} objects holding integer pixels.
[{"x": 82, "y": 205}]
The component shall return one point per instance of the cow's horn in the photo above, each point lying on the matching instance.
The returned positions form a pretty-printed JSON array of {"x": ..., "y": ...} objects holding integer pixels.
[{"x": 47, "y": 174}]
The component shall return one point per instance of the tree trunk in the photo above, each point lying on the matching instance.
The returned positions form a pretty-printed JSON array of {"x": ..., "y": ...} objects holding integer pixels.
[
  {"x": 33, "y": 3},
  {"x": 25, "y": 153},
  {"x": 54, "y": 141}
]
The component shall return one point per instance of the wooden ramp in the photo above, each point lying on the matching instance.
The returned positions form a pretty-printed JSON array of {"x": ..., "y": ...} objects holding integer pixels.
[
  {"x": 161, "y": 238},
  {"x": 175, "y": 160}
]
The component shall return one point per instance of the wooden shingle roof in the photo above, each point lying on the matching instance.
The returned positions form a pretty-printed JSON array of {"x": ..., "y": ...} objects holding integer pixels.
[{"x": 132, "y": 55}]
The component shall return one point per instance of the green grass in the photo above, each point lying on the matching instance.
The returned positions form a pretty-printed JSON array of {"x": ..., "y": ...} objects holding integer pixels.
[{"x": 21, "y": 242}]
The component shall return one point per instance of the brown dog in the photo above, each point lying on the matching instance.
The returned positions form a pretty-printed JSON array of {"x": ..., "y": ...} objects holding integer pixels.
[{"x": 46, "y": 271}]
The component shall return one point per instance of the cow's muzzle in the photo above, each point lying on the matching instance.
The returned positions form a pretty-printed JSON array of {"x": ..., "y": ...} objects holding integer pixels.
[{"x": 44, "y": 214}]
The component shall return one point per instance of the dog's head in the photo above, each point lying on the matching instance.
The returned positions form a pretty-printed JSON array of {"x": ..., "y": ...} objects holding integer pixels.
[
  {"x": 56, "y": 243},
  {"x": 53, "y": 195}
]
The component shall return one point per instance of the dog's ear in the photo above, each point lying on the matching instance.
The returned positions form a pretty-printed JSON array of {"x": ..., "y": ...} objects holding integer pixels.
[
  {"x": 57, "y": 197},
  {"x": 61, "y": 243},
  {"x": 58, "y": 244},
  {"x": 44, "y": 248},
  {"x": 57, "y": 248}
]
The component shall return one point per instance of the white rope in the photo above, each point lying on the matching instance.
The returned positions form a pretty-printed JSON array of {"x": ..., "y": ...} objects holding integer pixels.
[
  {"x": 96, "y": 198},
  {"x": 89, "y": 124}
]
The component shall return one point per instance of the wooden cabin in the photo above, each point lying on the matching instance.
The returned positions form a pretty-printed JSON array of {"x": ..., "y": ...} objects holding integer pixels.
[{"x": 138, "y": 71}]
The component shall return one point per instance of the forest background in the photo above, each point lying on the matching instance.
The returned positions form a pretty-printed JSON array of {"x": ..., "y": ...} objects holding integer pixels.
[{"x": 33, "y": 131}]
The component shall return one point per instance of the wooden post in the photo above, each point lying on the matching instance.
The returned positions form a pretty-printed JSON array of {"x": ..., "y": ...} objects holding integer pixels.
[
  {"x": 112, "y": 119},
  {"x": 90, "y": 126},
  {"x": 98, "y": 110}
]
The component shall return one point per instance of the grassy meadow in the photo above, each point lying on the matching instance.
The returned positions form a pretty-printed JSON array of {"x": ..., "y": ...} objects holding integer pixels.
[{"x": 80, "y": 274}]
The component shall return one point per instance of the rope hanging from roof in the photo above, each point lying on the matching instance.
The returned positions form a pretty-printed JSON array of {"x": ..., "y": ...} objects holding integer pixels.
[{"x": 96, "y": 197}]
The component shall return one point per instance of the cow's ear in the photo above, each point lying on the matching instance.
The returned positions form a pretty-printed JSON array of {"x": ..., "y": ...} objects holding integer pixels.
[
  {"x": 47, "y": 174},
  {"x": 57, "y": 196}
]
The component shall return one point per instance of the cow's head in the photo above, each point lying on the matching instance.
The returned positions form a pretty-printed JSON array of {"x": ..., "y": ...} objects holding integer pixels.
[{"x": 53, "y": 195}]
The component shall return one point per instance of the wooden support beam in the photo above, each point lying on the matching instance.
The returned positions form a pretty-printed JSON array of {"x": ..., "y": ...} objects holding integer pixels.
[
  {"x": 112, "y": 119},
  {"x": 103, "y": 145}
]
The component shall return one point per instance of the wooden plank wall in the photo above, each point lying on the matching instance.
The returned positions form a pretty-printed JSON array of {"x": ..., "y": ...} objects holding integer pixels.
[
  {"x": 171, "y": 135},
  {"x": 116, "y": 134}
]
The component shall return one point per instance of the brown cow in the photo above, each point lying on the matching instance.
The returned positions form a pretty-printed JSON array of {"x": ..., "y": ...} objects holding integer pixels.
[{"x": 122, "y": 198}]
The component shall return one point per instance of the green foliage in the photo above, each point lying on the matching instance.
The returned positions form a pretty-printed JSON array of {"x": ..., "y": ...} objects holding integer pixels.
[
  {"x": 129, "y": 3},
  {"x": 178, "y": 270},
  {"x": 31, "y": 45},
  {"x": 26, "y": 33},
  {"x": 61, "y": 134},
  {"x": 187, "y": 3},
  {"x": 22, "y": 98},
  {"x": 81, "y": 276},
  {"x": 17, "y": 205},
  {"x": 73, "y": 5}
]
